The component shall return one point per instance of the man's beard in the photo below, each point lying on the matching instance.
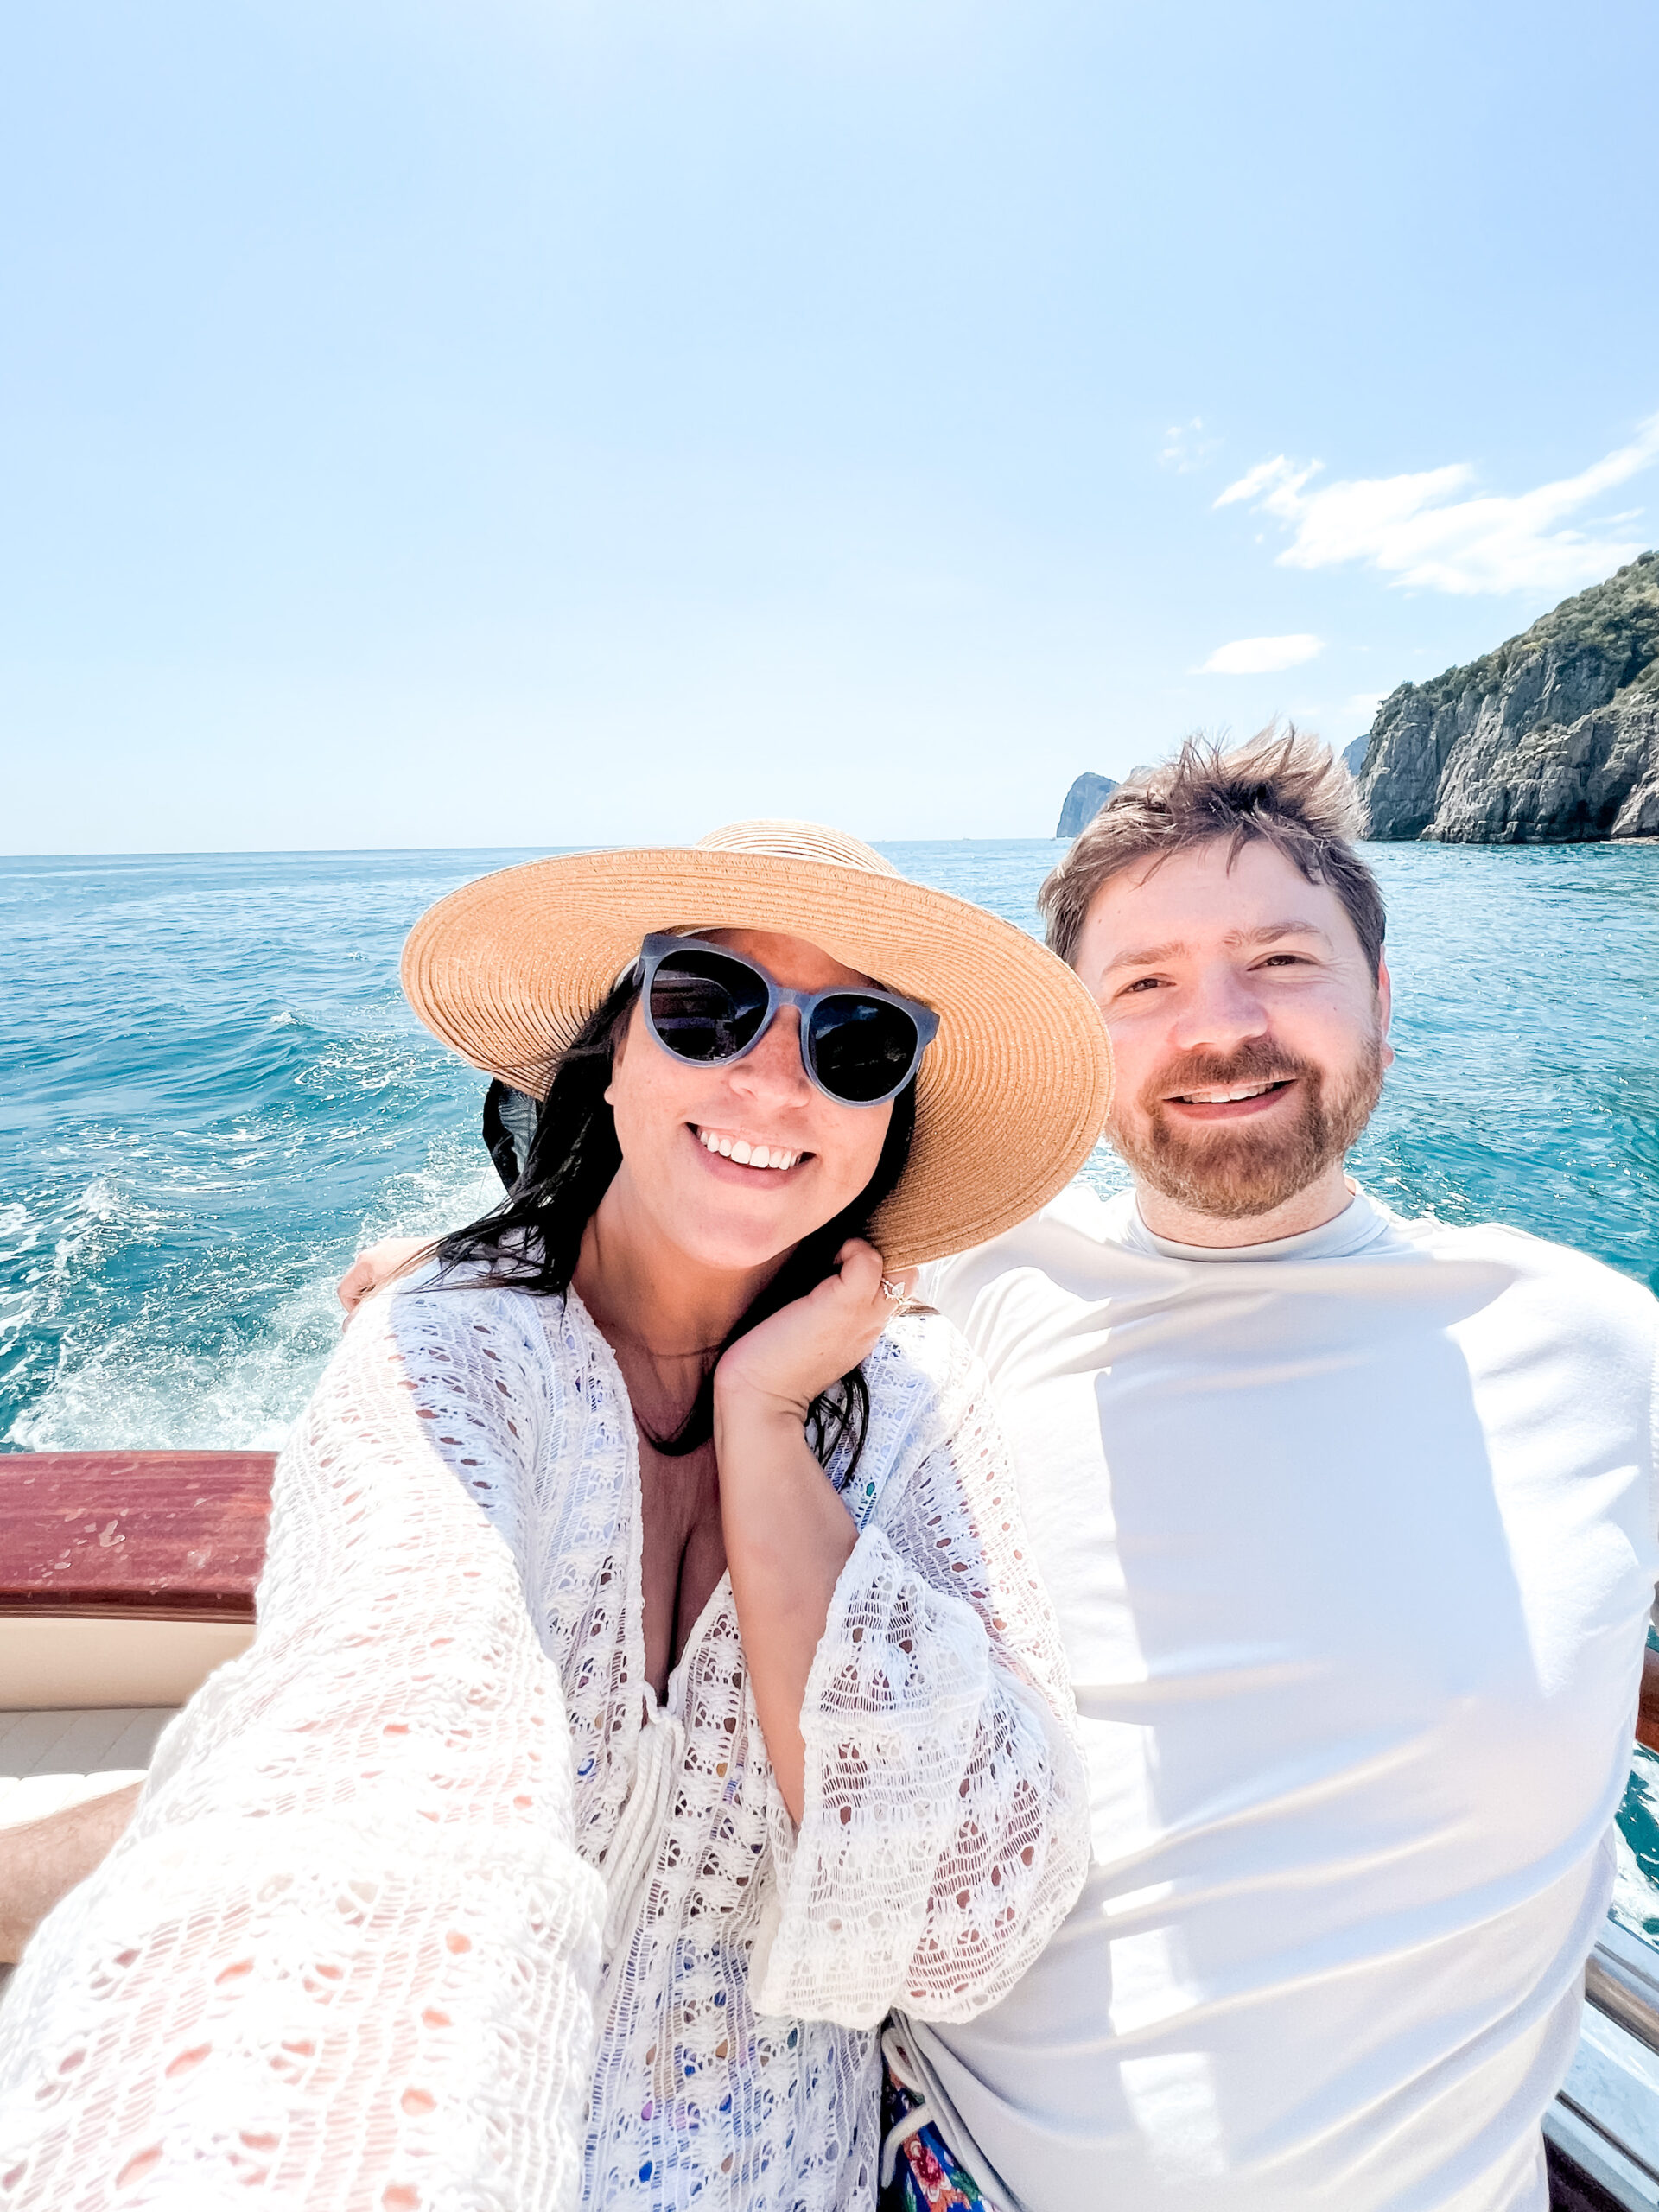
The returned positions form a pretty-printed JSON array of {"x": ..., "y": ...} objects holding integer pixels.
[{"x": 1231, "y": 1173}]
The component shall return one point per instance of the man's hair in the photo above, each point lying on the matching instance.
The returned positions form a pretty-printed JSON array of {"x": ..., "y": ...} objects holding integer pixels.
[{"x": 1282, "y": 787}]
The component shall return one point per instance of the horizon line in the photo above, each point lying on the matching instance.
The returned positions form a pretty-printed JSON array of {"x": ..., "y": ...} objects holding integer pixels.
[{"x": 310, "y": 852}]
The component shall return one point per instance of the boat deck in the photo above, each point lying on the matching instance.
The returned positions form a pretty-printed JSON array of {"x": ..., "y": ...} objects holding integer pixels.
[{"x": 53, "y": 1758}]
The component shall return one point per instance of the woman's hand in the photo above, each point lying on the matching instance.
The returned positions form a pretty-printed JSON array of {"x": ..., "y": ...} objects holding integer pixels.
[
  {"x": 788, "y": 1535},
  {"x": 782, "y": 1365}
]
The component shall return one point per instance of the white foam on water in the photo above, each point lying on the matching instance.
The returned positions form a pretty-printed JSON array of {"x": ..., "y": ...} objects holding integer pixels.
[
  {"x": 133, "y": 1385},
  {"x": 1103, "y": 1172},
  {"x": 1634, "y": 1902},
  {"x": 455, "y": 1183},
  {"x": 124, "y": 1391}
]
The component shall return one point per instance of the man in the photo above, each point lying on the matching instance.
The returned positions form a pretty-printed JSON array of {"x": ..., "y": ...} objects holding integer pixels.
[{"x": 1350, "y": 1524}]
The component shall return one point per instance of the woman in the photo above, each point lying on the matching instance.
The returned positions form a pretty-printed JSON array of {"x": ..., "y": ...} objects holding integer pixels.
[{"x": 647, "y": 1660}]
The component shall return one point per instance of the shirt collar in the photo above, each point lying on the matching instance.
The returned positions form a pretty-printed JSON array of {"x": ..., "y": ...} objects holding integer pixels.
[{"x": 1360, "y": 1222}]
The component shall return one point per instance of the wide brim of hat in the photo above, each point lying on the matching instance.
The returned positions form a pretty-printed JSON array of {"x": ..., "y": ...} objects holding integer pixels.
[{"x": 1012, "y": 1093}]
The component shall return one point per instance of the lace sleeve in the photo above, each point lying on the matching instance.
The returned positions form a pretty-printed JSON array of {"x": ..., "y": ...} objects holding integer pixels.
[
  {"x": 345, "y": 1953},
  {"x": 945, "y": 1831}
]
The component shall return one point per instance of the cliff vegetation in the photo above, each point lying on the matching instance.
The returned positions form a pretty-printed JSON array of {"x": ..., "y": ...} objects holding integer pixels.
[{"x": 1553, "y": 737}]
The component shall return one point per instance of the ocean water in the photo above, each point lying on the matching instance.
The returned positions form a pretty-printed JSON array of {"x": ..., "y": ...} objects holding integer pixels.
[{"x": 214, "y": 1095}]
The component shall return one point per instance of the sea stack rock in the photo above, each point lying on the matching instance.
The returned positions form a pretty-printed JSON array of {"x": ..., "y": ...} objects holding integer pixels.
[
  {"x": 1552, "y": 739},
  {"x": 1084, "y": 801}
]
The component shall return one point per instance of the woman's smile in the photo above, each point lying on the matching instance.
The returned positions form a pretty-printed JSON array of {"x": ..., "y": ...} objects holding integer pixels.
[{"x": 741, "y": 1150}]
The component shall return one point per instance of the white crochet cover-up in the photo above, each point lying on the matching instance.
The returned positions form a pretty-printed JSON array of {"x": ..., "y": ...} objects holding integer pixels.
[{"x": 372, "y": 1920}]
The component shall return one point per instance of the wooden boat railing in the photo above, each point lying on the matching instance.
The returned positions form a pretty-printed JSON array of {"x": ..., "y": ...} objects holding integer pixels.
[{"x": 126, "y": 1577}]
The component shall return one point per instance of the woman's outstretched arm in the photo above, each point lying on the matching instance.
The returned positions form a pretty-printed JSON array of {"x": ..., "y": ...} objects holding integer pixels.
[{"x": 345, "y": 1952}]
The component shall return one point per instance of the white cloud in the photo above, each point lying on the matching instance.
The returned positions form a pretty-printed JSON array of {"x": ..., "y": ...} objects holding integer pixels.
[
  {"x": 1260, "y": 656},
  {"x": 1420, "y": 534},
  {"x": 1185, "y": 447}
]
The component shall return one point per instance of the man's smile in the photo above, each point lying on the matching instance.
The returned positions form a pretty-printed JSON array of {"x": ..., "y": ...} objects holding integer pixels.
[{"x": 1230, "y": 1102}]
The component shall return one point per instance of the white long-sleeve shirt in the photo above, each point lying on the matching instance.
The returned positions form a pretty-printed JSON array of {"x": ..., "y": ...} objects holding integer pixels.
[
  {"x": 1351, "y": 1539},
  {"x": 429, "y": 1905}
]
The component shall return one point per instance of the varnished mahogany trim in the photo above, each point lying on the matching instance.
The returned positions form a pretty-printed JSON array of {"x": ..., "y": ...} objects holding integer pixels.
[{"x": 175, "y": 1535}]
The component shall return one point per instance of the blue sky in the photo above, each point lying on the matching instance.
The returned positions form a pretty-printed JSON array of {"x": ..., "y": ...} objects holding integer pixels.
[{"x": 510, "y": 424}]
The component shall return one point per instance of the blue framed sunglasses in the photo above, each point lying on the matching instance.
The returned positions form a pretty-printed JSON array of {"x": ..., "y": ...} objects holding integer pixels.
[{"x": 710, "y": 1007}]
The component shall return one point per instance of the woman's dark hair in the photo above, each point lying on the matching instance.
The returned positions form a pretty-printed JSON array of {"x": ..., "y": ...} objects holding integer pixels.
[{"x": 533, "y": 1238}]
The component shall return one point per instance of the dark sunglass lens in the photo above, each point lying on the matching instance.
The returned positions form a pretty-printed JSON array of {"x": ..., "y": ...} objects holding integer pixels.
[
  {"x": 863, "y": 1049},
  {"x": 706, "y": 1006}
]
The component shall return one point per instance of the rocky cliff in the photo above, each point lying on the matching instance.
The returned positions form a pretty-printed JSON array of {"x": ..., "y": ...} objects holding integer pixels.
[
  {"x": 1084, "y": 801},
  {"x": 1553, "y": 738}
]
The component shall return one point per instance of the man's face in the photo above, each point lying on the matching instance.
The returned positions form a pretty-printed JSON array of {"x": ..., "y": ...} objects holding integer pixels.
[{"x": 1249, "y": 1038}]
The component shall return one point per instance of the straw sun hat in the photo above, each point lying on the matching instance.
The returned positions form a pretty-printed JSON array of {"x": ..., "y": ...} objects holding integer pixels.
[{"x": 1012, "y": 1093}]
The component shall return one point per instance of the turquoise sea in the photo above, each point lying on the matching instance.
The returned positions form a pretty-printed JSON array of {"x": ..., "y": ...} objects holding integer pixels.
[{"x": 214, "y": 1095}]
